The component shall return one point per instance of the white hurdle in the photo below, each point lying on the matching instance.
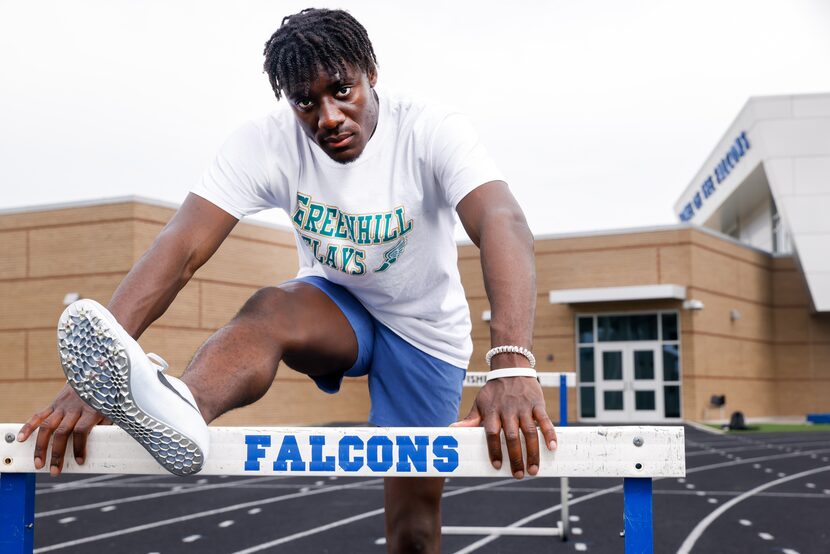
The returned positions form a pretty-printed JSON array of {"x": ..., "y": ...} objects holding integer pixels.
[
  {"x": 635, "y": 454},
  {"x": 547, "y": 379}
]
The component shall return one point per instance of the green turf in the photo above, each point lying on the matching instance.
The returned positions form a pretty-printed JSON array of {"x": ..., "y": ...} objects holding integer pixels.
[{"x": 780, "y": 427}]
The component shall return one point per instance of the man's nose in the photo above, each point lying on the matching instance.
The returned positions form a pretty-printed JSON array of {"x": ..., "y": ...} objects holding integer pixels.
[{"x": 330, "y": 115}]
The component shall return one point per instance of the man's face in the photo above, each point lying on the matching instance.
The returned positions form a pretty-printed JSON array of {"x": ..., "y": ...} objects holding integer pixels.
[{"x": 339, "y": 112}]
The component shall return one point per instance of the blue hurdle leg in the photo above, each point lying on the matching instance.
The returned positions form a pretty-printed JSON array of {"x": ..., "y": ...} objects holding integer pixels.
[
  {"x": 639, "y": 529},
  {"x": 17, "y": 513},
  {"x": 563, "y": 401}
]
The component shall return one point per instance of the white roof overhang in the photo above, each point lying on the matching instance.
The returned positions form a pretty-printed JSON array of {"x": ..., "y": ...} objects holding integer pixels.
[{"x": 618, "y": 294}]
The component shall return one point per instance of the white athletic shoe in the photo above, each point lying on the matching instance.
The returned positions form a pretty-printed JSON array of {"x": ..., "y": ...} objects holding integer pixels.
[{"x": 111, "y": 373}]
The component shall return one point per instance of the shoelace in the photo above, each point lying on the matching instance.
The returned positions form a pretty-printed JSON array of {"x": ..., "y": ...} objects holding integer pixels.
[{"x": 158, "y": 361}]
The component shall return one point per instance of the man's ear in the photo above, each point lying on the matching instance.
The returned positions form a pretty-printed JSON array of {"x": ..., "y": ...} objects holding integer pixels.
[{"x": 373, "y": 77}]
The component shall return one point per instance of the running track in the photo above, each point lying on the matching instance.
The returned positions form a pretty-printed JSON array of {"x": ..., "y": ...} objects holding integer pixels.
[{"x": 745, "y": 493}]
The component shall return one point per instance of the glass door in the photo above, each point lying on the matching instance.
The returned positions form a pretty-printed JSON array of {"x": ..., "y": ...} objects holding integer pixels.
[
  {"x": 645, "y": 394},
  {"x": 628, "y": 382},
  {"x": 611, "y": 387},
  {"x": 629, "y": 367}
]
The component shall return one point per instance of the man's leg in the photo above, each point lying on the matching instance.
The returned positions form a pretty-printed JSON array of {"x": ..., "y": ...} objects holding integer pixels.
[
  {"x": 295, "y": 322},
  {"x": 413, "y": 514}
]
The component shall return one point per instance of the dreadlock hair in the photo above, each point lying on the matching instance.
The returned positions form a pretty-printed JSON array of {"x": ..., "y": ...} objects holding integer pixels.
[{"x": 314, "y": 40}]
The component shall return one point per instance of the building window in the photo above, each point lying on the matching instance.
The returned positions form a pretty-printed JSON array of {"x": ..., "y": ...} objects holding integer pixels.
[{"x": 780, "y": 238}]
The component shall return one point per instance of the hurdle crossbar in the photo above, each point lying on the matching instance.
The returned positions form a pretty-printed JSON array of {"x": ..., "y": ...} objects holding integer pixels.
[{"x": 636, "y": 454}]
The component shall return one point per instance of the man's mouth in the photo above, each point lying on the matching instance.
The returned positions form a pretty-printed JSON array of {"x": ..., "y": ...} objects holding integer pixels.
[{"x": 339, "y": 141}]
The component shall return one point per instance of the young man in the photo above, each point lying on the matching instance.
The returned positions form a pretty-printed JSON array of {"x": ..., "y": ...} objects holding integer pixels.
[{"x": 370, "y": 183}]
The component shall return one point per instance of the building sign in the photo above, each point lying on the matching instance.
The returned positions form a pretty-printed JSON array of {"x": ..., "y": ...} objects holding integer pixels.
[{"x": 736, "y": 151}]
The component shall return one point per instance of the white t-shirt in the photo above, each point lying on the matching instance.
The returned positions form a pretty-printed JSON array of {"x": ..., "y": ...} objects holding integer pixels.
[{"x": 381, "y": 226}]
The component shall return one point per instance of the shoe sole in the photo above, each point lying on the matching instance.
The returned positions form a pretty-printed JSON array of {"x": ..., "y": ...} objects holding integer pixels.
[{"x": 97, "y": 366}]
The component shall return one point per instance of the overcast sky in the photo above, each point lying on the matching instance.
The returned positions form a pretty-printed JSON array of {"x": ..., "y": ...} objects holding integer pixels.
[{"x": 599, "y": 112}]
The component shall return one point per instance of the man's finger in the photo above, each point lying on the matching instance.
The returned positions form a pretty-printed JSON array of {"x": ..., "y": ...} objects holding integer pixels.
[
  {"x": 546, "y": 426},
  {"x": 510, "y": 425},
  {"x": 61, "y": 437},
  {"x": 44, "y": 433},
  {"x": 29, "y": 427},
  {"x": 473, "y": 419},
  {"x": 528, "y": 427},
  {"x": 88, "y": 420},
  {"x": 492, "y": 430}
]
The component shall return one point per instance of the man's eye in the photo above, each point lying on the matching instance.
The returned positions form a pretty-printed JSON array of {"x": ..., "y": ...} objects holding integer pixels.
[
  {"x": 303, "y": 104},
  {"x": 342, "y": 92}
]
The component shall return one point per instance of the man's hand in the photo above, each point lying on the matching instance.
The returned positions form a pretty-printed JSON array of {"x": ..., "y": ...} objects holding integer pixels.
[
  {"x": 68, "y": 415},
  {"x": 512, "y": 404}
]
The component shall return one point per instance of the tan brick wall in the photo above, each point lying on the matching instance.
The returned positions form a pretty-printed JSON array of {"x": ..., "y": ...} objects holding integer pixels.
[
  {"x": 774, "y": 360},
  {"x": 88, "y": 250}
]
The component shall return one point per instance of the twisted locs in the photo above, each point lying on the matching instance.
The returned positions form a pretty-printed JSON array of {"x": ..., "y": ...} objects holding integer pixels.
[{"x": 315, "y": 40}]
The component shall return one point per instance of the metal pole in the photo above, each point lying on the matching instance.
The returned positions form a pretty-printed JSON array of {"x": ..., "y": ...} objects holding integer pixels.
[
  {"x": 17, "y": 513},
  {"x": 563, "y": 481},
  {"x": 637, "y": 514}
]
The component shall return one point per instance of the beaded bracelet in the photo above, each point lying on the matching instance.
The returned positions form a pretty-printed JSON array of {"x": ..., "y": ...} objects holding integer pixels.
[{"x": 509, "y": 348}]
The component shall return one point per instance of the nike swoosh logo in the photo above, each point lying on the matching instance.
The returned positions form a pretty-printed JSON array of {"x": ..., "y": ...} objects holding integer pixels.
[{"x": 167, "y": 384}]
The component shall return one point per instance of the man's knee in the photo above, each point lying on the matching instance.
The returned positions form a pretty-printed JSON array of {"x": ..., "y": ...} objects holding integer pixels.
[
  {"x": 266, "y": 302},
  {"x": 415, "y": 534},
  {"x": 413, "y": 514}
]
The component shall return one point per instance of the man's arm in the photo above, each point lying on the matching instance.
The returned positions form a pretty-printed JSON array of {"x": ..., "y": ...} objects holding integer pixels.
[
  {"x": 495, "y": 223},
  {"x": 186, "y": 242}
]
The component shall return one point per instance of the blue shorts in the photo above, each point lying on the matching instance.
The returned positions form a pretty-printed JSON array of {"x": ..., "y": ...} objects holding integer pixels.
[{"x": 407, "y": 387}]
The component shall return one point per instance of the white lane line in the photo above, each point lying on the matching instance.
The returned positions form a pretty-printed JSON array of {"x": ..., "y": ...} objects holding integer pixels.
[
  {"x": 661, "y": 492},
  {"x": 174, "y": 491},
  {"x": 574, "y": 518},
  {"x": 198, "y": 515},
  {"x": 108, "y": 508},
  {"x": 766, "y": 536},
  {"x": 226, "y": 523},
  {"x": 712, "y": 501},
  {"x": 810, "y": 485},
  {"x": 576, "y": 530},
  {"x": 699, "y": 529},
  {"x": 192, "y": 538},
  {"x": 750, "y": 460},
  {"x": 313, "y": 531},
  {"x": 580, "y": 547},
  {"x": 67, "y": 520},
  {"x": 745, "y": 522},
  {"x": 254, "y": 511},
  {"x": 380, "y": 541},
  {"x": 794, "y": 441},
  {"x": 789, "y": 551},
  {"x": 118, "y": 480},
  {"x": 548, "y": 490},
  {"x": 358, "y": 517},
  {"x": 60, "y": 487}
]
